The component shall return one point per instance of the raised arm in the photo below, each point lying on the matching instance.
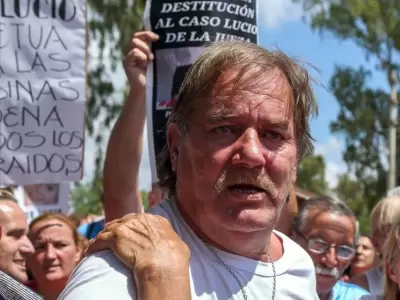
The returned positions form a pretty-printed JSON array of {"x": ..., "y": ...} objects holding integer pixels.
[{"x": 121, "y": 170}]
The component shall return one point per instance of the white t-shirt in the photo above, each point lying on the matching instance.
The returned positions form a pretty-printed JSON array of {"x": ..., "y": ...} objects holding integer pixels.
[
  {"x": 102, "y": 276},
  {"x": 376, "y": 281}
]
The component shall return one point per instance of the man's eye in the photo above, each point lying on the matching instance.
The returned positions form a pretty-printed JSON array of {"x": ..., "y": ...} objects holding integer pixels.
[
  {"x": 223, "y": 129},
  {"x": 273, "y": 135}
]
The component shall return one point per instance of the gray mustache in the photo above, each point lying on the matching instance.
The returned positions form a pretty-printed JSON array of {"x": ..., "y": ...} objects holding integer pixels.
[
  {"x": 334, "y": 272},
  {"x": 263, "y": 182}
]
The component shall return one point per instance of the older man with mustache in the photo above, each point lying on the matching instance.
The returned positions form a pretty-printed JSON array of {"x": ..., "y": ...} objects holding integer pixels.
[
  {"x": 328, "y": 230},
  {"x": 235, "y": 135}
]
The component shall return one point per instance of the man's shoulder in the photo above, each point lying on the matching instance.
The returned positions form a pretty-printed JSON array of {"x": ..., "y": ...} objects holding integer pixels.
[
  {"x": 168, "y": 210},
  {"x": 95, "y": 274},
  {"x": 342, "y": 288},
  {"x": 12, "y": 289}
]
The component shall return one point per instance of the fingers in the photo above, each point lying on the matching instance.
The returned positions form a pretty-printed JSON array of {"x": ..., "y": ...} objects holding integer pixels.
[
  {"x": 103, "y": 241},
  {"x": 147, "y": 36},
  {"x": 139, "y": 51},
  {"x": 142, "y": 46},
  {"x": 135, "y": 58}
]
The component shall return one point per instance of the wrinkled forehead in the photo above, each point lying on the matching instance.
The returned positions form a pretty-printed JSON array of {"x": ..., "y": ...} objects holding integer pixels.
[
  {"x": 317, "y": 221},
  {"x": 49, "y": 227},
  {"x": 234, "y": 89}
]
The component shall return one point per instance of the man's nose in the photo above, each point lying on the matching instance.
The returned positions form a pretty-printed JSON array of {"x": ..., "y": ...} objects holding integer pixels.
[
  {"x": 329, "y": 258},
  {"x": 251, "y": 152},
  {"x": 26, "y": 247}
]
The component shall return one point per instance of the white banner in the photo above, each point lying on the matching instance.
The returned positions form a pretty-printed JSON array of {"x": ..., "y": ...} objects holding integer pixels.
[
  {"x": 42, "y": 91},
  {"x": 37, "y": 199},
  {"x": 184, "y": 28}
]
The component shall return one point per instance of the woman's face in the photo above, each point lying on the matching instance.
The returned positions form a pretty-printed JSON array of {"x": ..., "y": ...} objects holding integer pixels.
[
  {"x": 56, "y": 253},
  {"x": 365, "y": 253}
]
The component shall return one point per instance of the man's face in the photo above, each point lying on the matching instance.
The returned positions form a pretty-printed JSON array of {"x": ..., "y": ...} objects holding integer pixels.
[
  {"x": 238, "y": 159},
  {"x": 14, "y": 243},
  {"x": 328, "y": 229}
]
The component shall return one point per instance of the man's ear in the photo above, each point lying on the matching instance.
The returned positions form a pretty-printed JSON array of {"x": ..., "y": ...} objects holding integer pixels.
[{"x": 173, "y": 140}]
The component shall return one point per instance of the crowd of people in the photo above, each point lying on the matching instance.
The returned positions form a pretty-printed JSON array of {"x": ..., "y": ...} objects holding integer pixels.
[{"x": 224, "y": 221}]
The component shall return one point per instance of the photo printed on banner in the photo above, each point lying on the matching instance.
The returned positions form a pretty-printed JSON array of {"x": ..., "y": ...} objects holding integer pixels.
[{"x": 184, "y": 28}]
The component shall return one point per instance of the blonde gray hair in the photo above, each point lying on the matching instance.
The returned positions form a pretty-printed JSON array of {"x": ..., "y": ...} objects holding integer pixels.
[
  {"x": 386, "y": 212},
  {"x": 251, "y": 62},
  {"x": 391, "y": 290}
]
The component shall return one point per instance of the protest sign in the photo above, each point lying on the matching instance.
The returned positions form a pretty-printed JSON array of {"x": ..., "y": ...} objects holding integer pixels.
[
  {"x": 40, "y": 198},
  {"x": 184, "y": 27},
  {"x": 42, "y": 90}
]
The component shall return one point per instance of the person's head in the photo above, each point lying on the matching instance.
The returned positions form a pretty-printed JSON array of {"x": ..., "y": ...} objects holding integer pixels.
[
  {"x": 328, "y": 230},
  {"x": 392, "y": 263},
  {"x": 15, "y": 246},
  {"x": 383, "y": 215},
  {"x": 57, "y": 250},
  {"x": 235, "y": 135},
  {"x": 365, "y": 256}
]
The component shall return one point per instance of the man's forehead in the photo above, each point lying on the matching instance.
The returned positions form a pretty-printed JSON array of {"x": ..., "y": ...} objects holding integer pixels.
[
  {"x": 12, "y": 218},
  {"x": 316, "y": 219},
  {"x": 270, "y": 83}
]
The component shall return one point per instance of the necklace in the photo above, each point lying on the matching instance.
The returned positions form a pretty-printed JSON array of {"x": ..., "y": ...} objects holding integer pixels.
[{"x": 237, "y": 278}]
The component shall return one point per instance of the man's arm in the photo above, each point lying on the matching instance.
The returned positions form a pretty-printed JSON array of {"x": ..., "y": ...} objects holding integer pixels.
[
  {"x": 152, "y": 263},
  {"x": 121, "y": 169}
]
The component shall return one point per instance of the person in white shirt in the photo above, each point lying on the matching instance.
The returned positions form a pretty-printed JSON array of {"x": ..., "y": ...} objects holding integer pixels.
[
  {"x": 392, "y": 266},
  {"x": 235, "y": 135}
]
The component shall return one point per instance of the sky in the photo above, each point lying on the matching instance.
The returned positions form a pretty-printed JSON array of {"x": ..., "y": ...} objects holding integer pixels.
[{"x": 281, "y": 27}]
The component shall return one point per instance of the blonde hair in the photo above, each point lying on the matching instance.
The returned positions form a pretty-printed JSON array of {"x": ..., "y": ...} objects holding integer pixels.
[
  {"x": 391, "y": 290},
  {"x": 386, "y": 212}
]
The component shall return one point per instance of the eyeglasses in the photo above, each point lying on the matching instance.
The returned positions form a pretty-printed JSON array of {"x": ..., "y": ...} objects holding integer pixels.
[{"x": 320, "y": 246}]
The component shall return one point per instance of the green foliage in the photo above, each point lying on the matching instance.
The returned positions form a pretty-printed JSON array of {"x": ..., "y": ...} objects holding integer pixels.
[
  {"x": 371, "y": 24},
  {"x": 145, "y": 199},
  {"x": 351, "y": 191},
  {"x": 363, "y": 120},
  {"x": 311, "y": 174},
  {"x": 364, "y": 111},
  {"x": 110, "y": 29},
  {"x": 111, "y": 26},
  {"x": 86, "y": 198}
]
